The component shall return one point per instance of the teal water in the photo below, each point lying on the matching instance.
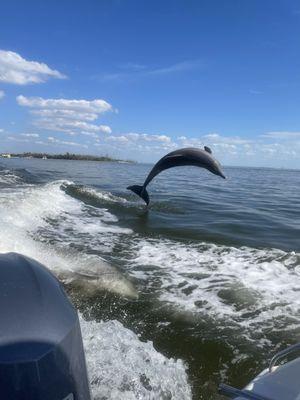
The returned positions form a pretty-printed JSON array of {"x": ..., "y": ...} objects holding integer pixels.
[{"x": 210, "y": 274}]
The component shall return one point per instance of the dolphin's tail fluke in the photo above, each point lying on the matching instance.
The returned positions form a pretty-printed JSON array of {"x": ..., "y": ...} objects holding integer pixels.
[{"x": 140, "y": 191}]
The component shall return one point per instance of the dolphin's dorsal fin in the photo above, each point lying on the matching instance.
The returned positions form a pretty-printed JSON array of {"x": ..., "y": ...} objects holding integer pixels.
[{"x": 207, "y": 149}]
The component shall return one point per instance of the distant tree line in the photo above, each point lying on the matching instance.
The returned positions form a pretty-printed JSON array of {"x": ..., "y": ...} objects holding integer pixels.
[{"x": 66, "y": 156}]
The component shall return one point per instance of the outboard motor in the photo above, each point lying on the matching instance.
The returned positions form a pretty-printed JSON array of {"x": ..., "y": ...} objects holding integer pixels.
[{"x": 41, "y": 350}]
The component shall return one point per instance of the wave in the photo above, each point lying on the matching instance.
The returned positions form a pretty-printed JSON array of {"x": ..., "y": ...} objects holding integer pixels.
[
  {"x": 101, "y": 198},
  {"x": 87, "y": 194},
  {"x": 254, "y": 289},
  {"x": 246, "y": 288},
  {"x": 44, "y": 223},
  {"x": 121, "y": 366},
  {"x": 8, "y": 177},
  {"x": 17, "y": 176}
]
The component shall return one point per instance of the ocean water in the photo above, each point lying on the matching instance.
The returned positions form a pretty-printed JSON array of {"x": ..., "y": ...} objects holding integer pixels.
[{"x": 200, "y": 289}]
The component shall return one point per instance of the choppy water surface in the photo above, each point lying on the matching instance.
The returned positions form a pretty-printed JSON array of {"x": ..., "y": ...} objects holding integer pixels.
[{"x": 201, "y": 289}]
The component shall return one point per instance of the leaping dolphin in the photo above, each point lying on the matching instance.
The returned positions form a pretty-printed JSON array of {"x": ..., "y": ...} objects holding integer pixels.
[{"x": 178, "y": 158}]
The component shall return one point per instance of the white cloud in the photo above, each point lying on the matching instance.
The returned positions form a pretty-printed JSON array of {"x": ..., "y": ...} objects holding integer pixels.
[
  {"x": 138, "y": 144},
  {"x": 71, "y": 127},
  {"x": 148, "y": 138},
  {"x": 15, "y": 69},
  {"x": 178, "y": 67},
  {"x": 83, "y": 106},
  {"x": 17, "y": 139},
  {"x": 140, "y": 71},
  {"x": 2, "y": 94},
  {"x": 53, "y": 140},
  {"x": 42, "y": 142},
  {"x": 133, "y": 136},
  {"x": 84, "y": 126},
  {"x": 226, "y": 139},
  {"x": 121, "y": 139},
  {"x": 230, "y": 150},
  {"x": 184, "y": 141},
  {"x": 282, "y": 135},
  {"x": 235, "y": 150},
  {"x": 212, "y": 136},
  {"x": 33, "y": 135},
  {"x": 68, "y": 116},
  {"x": 157, "y": 138}
]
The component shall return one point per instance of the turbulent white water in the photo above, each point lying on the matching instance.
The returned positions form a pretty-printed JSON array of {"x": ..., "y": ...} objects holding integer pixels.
[
  {"x": 217, "y": 280},
  {"x": 121, "y": 366},
  {"x": 253, "y": 287},
  {"x": 9, "y": 178},
  {"x": 249, "y": 289},
  {"x": 26, "y": 211},
  {"x": 106, "y": 196}
]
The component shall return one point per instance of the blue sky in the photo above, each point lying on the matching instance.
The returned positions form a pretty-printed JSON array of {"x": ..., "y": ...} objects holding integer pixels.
[{"x": 136, "y": 79}]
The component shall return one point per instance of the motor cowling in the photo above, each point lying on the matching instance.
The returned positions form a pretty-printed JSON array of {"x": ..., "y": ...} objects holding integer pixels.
[{"x": 41, "y": 349}]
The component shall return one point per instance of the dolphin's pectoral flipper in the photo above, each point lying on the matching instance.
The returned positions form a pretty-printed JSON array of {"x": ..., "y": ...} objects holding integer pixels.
[
  {"x": 140, "y": 191},
  {"x": 207, "y": 149}
]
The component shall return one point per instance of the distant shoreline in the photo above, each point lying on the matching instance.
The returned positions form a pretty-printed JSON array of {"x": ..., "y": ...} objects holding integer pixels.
[
  {"x": 85, "y": 157},
  {"x": 65, "y": 156}
]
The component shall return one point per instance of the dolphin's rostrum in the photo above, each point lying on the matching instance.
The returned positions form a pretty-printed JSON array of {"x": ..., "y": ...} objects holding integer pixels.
[{"x": 178, "y": 158}]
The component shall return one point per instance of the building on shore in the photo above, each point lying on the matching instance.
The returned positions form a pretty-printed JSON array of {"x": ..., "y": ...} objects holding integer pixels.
[{"x": 5, "y": 155}]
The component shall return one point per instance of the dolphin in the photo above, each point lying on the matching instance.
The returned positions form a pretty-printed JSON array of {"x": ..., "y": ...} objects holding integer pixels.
[{"x": 178, "y": 158}]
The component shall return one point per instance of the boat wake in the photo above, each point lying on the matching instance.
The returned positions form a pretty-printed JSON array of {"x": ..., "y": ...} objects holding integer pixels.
[
  {"x": 254, "y": 289},
  {"x": 121, "y": 366},
  {"x": 45, "y": 223},
  {"x": 247, "y": 295},
  {"x": 42, "y": 221}
]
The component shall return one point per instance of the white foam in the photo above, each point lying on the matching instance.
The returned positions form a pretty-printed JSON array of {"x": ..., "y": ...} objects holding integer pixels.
[
  {"x": 49, "y": 201},
  {"x": 25, "y": 211},
  {"x": 106, "y": 196},
  {"x": 122, "y": 367},
  {"x": 8, "y": 177},
  {"x": 248, "y": 287},
  {"x": 252, "y": 287}
]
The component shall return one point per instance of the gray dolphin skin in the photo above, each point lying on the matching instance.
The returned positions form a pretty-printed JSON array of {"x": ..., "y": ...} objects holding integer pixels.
[{"x": 179, "y": 158}]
